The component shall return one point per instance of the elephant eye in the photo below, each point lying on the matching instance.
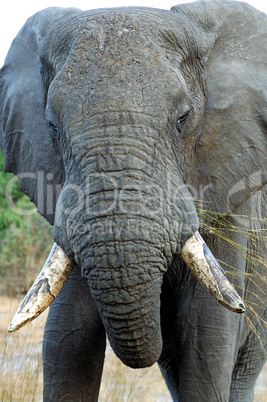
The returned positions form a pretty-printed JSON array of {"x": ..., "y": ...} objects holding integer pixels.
[
  {"x": 181, "y": 120},
  {"x": 53, "y": 128}
]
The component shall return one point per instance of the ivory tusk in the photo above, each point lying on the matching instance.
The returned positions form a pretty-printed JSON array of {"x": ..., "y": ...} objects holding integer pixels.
[
  {"x": 45, "y": 289},
  {"x": 58, "y": 267},
  {"x": 207, "y": 270}
]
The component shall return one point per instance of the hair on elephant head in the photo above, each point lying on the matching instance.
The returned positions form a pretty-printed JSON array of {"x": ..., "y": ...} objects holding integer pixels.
[{"x": 118, "y": 122}]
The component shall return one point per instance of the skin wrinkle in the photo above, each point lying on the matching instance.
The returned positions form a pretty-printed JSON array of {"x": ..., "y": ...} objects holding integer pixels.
[
  {"x": 142, "y": 218},
  {"x": 164, "y": 201},
  {"x": 141, "y": 154},
  {"x": 86, "y": 165},
  {"x": 121, "y": 318},
  {"x": 140, "y": 329},
  {"x": 137, "y": 280},
  {"x": 239, "y": 373},
  {"x": 102, "y": 252},
  {"x": 118, "y": 325},
  {"x": 195, "y": 57},
  {"x": 140, "y": 332},
  {"x": 139, "y": 274},
  {"x": 198, "y": 381},
  {"x": 136, "y": 356},
  {"x": 131, "y": 141}
]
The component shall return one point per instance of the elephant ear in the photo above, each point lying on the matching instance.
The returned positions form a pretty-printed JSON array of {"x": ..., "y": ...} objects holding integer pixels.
[
  {"x": 25, "y": 138},
  {"x": 229, "y": 151}
]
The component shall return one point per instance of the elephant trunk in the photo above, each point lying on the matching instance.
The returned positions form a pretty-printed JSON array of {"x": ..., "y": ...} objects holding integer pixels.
[
  {"x": 129, "y": 305},
  {"x": 128, "y": 228},
  {"x": 124, "y": 263}
]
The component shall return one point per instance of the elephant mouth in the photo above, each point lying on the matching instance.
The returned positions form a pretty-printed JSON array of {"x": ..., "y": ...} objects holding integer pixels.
[{"x": 58, "y": 267}]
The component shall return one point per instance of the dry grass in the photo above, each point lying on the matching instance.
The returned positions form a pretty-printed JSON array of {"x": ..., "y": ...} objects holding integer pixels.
[
  {"x": 20, "y": 358},
  {"x": 120, "y": 383},
  {"x": 21, "y": 368}
]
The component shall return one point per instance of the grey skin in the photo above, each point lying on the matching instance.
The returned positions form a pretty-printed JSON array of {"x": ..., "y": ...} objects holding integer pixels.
[{"x": 94, "y": 121}]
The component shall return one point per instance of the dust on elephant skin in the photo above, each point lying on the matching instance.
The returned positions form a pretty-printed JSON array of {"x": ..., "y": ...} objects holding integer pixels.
[{"x": 131, "y": 129}]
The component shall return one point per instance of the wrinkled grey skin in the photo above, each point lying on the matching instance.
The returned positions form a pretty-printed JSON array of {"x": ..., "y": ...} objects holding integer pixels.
[{"x": 89, "y": 106}]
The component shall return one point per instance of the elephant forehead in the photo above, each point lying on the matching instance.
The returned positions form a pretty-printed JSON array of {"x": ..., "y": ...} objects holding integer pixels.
[
  {"x": 116, "y": 36},
  {"x": 117, "y": 30},
  {"x": 118, "y": 39},
  {"x": 115, "y": 59}
]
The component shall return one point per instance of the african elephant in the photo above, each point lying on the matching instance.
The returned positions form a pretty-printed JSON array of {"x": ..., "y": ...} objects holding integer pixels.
[{"x": 125, "y": 127}]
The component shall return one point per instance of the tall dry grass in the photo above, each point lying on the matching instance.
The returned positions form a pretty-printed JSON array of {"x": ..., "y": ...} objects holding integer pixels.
[
  {"x": 21, "y": 368},
  {"x": 251, "y": 232},
  {"x": 20, "y": 358}
]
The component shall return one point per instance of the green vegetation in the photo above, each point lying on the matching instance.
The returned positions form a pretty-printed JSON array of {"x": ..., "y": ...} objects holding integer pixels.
[{"x": 25, "y": 237}]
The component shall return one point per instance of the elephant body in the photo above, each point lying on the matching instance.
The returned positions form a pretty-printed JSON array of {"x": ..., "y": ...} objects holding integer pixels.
[{"x": 130, "y": 128}]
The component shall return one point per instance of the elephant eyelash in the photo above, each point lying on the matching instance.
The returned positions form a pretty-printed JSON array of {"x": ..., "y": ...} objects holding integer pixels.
[
  {"x": 53, "y": 128},
  {"x": 181, "y": 120}
]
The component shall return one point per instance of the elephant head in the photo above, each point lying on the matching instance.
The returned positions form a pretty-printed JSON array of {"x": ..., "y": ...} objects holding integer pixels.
[{"x": 111, "y": 119}]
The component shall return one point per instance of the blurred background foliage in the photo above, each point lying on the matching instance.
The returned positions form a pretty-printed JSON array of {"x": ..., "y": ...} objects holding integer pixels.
[{"x": 25, "y": 239}]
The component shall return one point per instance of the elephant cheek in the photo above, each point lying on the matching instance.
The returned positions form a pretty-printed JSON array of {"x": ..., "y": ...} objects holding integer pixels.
[{"x": 131, "y": 316}]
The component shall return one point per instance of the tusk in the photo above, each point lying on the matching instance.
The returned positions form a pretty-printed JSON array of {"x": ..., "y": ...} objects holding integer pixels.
[
  {"x": 45, "y": 289},
  {"x": 207, "y": 270}
]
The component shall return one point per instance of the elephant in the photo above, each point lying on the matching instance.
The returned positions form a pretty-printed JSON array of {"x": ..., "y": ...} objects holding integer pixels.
[{"x": 141, "y": 135}]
